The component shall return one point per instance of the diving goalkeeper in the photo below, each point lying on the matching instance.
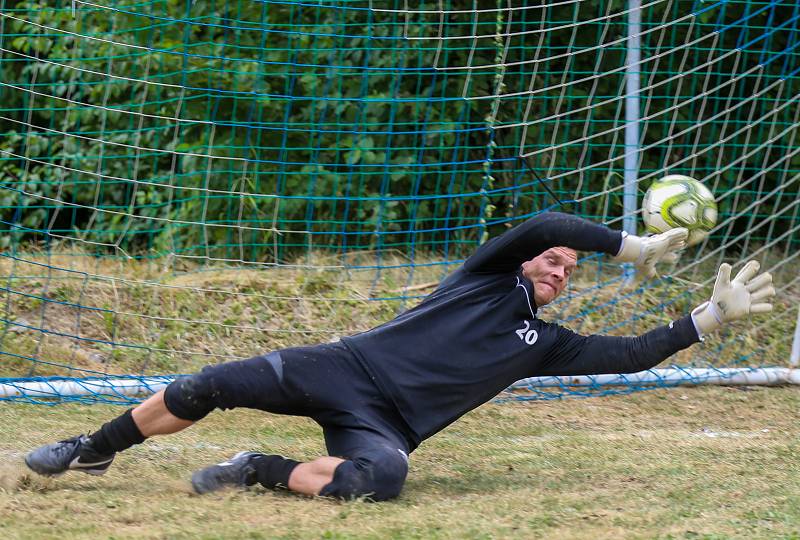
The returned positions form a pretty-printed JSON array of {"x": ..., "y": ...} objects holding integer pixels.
[{"x": 380, "y": 393}]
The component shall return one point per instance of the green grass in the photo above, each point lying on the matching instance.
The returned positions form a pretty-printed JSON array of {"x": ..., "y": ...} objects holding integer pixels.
[{"x": 681, "y": 463}]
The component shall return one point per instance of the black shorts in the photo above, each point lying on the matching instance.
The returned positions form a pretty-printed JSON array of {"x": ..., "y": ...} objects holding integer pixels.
[{"x": 326, "y": 383}]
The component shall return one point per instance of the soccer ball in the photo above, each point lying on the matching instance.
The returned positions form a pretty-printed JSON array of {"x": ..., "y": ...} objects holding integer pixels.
[{"x": 680, "y": 201}]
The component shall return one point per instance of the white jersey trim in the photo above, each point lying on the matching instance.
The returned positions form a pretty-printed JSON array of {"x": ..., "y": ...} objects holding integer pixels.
[{"x": 527, "y": 297}]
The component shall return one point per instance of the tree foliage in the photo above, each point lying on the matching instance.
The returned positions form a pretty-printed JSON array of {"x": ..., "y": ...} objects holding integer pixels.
[{"x": 254, "y": 130}]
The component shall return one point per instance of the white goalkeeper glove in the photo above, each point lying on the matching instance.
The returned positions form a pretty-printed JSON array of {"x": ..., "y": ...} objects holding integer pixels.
[
  {"x": 646, "y": 251},
  {"x": 736, "y": 299}
]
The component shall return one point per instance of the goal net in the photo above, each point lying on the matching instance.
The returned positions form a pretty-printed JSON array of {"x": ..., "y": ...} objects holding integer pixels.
[{"x": 195, "y": 182}]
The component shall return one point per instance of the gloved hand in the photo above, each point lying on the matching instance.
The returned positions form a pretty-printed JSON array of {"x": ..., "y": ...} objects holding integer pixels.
[
  {"x": 646, "y": 251},
  {"x": 736, "y": 299}
]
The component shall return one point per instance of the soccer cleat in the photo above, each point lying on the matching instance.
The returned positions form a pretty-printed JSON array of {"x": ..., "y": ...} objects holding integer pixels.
[
  {"x": 74, "y": 454},
  {"x": 238, "y": 471}
]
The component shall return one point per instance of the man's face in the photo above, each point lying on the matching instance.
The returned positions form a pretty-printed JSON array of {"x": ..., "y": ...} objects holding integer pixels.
[{"x": 549, "y": 273}]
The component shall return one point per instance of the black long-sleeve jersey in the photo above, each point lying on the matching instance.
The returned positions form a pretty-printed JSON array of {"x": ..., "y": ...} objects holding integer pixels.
[{"x": 478, "y": 332}]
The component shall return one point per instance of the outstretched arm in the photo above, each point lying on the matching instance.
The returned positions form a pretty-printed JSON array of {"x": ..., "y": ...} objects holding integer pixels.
[
  {"x": 574, "y": 354},
  {"x": 746, "y": 295},
  {"x": 508, "y": 251}
]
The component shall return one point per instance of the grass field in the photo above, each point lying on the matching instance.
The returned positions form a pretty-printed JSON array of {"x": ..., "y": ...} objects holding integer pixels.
[{"x": 680, "y": 463}]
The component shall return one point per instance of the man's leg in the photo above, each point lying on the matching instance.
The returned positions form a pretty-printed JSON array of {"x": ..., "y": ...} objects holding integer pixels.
[
  {"x": 271, "y": 471},
  {"x": 377, "y": 469},
  {"x": 153, "y": 418},
  {"x": 186, "y": 400},
  {"x": 94, "y": 454},
  {"x": 309, "y": 478},
  {"x": 377, "y": 473}
]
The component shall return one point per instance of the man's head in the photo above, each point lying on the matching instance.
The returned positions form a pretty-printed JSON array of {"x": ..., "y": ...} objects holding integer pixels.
[{"x": 550, "y": 272}]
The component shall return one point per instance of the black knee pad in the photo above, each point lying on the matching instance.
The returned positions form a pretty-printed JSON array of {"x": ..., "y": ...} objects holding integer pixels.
[
  {"x": 378, "y": 475},
  {"x": 190, "y": 398}
]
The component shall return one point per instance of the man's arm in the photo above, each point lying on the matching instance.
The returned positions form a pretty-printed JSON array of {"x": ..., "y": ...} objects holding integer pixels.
[
  {"x": 746, "y": 295},
  {"x": 574, "y": 354},
  {"x": 508, "y": 251}
]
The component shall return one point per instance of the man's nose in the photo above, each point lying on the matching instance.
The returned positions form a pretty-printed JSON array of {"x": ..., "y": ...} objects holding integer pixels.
[{"x": 559, "y": 273}]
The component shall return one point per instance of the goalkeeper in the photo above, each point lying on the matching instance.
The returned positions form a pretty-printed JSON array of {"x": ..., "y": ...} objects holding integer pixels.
[{"x": 380, "y": 393}]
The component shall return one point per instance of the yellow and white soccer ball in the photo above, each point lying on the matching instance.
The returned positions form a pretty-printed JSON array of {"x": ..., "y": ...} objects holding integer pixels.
[{"x": 680, "y": 201}]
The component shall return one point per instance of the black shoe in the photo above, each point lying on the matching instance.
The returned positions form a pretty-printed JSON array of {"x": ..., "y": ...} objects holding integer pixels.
[
  {"x": 75, "y": 454},
  {"x": 236, "y": 472}
]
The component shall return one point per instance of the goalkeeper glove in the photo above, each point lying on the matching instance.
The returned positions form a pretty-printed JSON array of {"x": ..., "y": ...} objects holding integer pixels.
[
  {"x": 736, "y": 299},
  {"x": 646, "y": 251}
]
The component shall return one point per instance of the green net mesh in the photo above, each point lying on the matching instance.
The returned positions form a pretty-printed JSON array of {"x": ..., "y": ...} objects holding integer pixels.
[{"x": 185, "y": 183}]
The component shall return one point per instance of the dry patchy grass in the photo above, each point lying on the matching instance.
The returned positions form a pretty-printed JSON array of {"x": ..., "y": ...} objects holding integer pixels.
[
  {"x": 80, "y": 315},
  {"x": 681, "y": 463}
]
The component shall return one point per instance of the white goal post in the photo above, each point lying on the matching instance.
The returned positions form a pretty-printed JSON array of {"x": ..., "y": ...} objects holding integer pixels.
[{"x": 142, "y": 386}]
